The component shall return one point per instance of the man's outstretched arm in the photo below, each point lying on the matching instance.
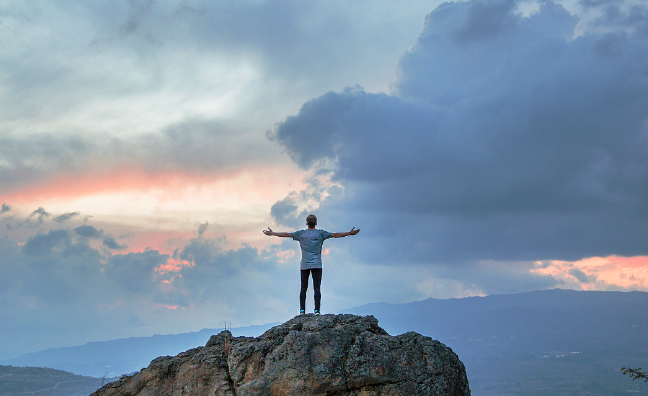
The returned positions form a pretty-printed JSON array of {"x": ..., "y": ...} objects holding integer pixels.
[
  {"x": 269, "y": 232},
  {"x": 343, "y": 234}
]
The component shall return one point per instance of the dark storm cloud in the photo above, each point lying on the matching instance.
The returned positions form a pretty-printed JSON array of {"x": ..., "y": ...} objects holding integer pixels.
[
  {"x": 506, "y": 138},
  {"x": 5, "y": 208}
]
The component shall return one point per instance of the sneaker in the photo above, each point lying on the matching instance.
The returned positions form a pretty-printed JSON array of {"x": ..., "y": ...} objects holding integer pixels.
[
  {"x": 317, "y": 312},
  {"x": 302, "y": 312}
]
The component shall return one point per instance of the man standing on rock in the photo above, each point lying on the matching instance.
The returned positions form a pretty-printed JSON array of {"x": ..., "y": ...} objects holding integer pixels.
[{"x": 311, "y": 241}]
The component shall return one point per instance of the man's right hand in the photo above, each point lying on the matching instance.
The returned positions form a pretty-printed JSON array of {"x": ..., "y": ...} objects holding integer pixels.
[{"x": 269, "y": 232}]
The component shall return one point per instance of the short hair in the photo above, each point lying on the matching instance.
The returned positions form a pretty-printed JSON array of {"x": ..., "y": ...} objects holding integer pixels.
[{"x": 311, "y": 220}]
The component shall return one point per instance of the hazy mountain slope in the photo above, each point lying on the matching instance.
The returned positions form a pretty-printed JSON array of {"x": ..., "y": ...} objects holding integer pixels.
[
  {"x": 45, "y": 382},
  {"x": 540, "y": 343},
  {"x": 123, "y": 355}
]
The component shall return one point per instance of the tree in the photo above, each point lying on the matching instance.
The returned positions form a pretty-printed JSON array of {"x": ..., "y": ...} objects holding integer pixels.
[{"x": 635, "y": 373}]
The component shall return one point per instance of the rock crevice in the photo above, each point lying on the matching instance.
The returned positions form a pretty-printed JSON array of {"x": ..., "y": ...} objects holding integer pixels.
[{"x": 331, "y": 355}]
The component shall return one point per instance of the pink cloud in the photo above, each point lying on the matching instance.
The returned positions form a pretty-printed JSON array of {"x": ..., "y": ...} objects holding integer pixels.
[
  {"x": 600, "y": 273},
  {"x": 128, "y": 179},
  {"x": 252, "y": 183}
]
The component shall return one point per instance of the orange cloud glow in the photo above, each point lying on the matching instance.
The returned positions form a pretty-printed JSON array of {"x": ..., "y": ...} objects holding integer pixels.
[
  {"x": 600, "y": 273},
  {"x": 164, "y": 242},
  {"x": 173, "y": 183},
  {"x": 168, "y": 306},
  {"x": 173, "y": 266},
  {"x": 162, "y": 211}
]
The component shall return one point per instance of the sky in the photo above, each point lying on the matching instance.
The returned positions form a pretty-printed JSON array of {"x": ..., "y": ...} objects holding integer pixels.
[{"x": 482, "y": 147}]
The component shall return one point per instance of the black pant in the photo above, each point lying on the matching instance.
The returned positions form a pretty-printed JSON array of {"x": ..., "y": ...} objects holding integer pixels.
[{"x": 317, "y": 281}]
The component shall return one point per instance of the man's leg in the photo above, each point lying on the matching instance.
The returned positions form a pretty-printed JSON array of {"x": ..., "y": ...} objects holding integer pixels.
[
  {"x": 304, "y": 287},
  {"x": 317, "y": 281}
]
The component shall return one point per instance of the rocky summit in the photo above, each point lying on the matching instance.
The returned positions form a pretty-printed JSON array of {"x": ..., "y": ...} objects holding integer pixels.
[{"x": 308, "y": 355}]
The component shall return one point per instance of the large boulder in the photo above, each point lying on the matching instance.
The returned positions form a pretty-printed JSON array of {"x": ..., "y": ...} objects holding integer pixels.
[{"x": 308, "y": 355}]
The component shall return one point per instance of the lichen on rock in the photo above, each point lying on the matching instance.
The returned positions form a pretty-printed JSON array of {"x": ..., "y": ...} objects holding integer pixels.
[{"x": 308, "y": 355}]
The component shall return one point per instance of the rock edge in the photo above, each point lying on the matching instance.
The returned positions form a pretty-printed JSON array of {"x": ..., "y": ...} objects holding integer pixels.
[{"x": 336, "y": 355}]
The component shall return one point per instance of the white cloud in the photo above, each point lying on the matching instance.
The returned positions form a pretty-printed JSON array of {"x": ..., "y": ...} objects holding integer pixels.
[{"x": 130, "y": 67}]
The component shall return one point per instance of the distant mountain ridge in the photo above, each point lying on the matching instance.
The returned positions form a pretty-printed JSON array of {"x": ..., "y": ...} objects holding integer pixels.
[
  {"x": 549, "y": 342},
  {"x": 609, "y": 314},
  {"x": 121, "y": 356},
  {"x": 546, "y": 342}
]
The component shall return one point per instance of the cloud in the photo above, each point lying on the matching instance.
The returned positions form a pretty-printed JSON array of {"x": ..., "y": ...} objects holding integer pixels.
[
  {"x": 506, "y": 137},
  {"x": 88, "y": 231},
  {"x": 272, "y": 32},
  {"x": 581, "y": 276},
  {"x": 5, "y": 208},
  {"x": 110, "y": 243},
  {"x": 42, "y": 244},
  {"x": 41, "y": 158},
  {"x": 105, "y": 296},
  {"x": 65, "y": 216},
  {"x": 629, "y": 16},
  {"x": 40, "y": 214},
  {"x": 196, "y": 77},
  {"x": 292, "y": 210},
  {"x": 283, "y": 209},
  {"x": 484, "y": 21},
  {"x": 202, "y": 228},
  {"x": 134, "y": 272},
  {"x": 599, "y": 273},
  {"x": 597, "y": 3}
]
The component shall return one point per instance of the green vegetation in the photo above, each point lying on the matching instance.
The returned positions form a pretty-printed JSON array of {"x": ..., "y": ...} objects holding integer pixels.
[{"x": 635, "y": 373}]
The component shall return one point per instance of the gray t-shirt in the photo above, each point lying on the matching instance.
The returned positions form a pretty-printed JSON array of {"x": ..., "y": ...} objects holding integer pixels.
[{"x": 311, "y": 246}]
